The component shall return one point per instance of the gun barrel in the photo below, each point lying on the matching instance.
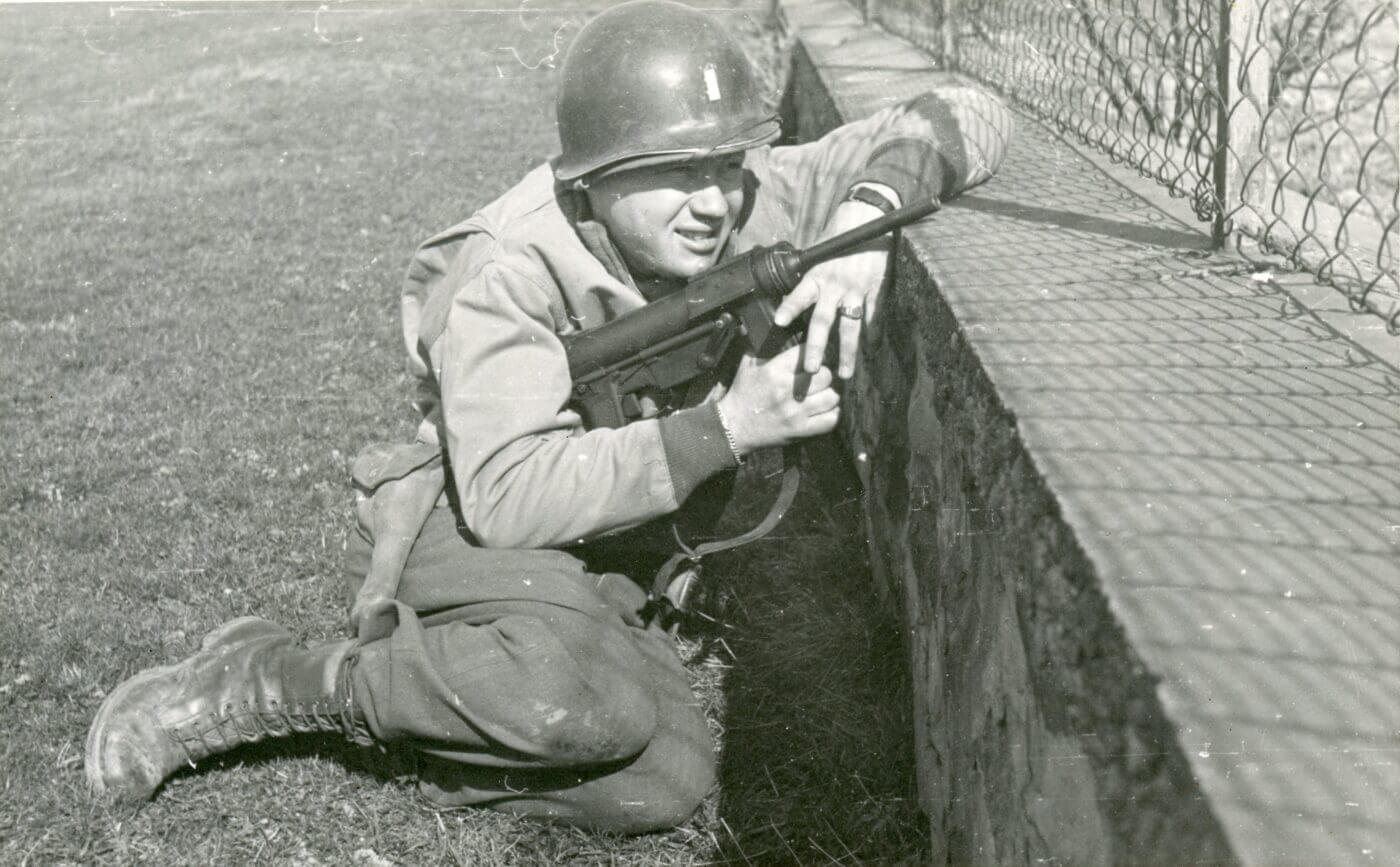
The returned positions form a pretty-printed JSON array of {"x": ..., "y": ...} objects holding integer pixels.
[{"x": 833, "y": 247}]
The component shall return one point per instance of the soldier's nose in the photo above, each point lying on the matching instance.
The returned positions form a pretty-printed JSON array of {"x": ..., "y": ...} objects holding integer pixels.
[{"x": 709, "y": 202}]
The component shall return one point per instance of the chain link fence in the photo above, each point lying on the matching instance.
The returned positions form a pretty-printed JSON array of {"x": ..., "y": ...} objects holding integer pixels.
[{"x": 1276, "y": 118}]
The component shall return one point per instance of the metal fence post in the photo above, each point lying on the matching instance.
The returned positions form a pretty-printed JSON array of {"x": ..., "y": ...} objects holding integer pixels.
[
  {"x": 945, "y": 33},
  {"x": 1220, "y": 163},
  {"x": 1243, "y": 172}
]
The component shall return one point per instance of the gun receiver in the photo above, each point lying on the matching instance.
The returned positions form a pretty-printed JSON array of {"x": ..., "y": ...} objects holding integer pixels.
[{"x": 678, "y": 337}]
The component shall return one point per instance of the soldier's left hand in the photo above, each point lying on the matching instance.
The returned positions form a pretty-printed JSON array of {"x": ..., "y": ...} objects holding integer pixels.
[{"x": 841, "y": 292}]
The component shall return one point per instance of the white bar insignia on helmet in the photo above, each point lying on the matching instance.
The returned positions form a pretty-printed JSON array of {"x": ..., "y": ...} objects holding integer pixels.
[{"x": 711, "y": 83}]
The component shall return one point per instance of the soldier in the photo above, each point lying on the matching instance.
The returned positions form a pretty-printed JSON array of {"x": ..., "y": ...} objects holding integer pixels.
[{"x": 495, "y": 633}]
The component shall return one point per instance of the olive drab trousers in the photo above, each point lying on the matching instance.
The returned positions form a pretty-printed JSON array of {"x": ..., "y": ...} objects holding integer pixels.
[{"x": 530, "y": 686}]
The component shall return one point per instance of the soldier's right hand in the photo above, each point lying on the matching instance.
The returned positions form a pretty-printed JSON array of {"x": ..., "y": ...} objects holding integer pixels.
[{"x": 773, "y": 402}]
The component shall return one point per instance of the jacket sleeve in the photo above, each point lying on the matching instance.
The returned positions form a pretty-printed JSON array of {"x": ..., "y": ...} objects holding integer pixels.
[
  {"x": 939, "y": 144},
  {"x": 527, "y": 474}
]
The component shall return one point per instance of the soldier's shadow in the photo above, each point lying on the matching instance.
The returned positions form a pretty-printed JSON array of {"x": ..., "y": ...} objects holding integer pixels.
[
  {"x": 384, "y": 764},
  {"x": 803, "y": 667}
]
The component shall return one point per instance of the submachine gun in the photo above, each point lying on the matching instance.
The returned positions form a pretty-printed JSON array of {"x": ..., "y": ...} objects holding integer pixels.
[{"x": 681, "y": 336}]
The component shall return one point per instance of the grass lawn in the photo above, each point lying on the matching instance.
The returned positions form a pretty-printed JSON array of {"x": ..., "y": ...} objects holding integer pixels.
[{"x": 208, "y": 214}]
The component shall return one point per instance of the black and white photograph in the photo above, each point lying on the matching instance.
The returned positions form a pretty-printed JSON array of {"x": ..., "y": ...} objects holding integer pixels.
[{"x": 700, "y": 432}]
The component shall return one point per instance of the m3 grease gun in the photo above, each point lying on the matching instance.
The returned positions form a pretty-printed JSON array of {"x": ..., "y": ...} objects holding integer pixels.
[{"x": 678, "y": 337}]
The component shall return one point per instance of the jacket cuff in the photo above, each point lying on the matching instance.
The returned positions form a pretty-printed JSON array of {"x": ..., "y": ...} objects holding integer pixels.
[{"x": 696, "y": 447}]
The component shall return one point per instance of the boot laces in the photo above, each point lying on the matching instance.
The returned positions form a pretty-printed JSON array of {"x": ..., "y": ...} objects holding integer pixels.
[{"x": 231, "y": 725}]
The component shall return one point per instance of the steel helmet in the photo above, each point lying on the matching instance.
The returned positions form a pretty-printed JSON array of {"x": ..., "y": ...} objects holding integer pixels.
[{"x": 653, "y": 81}]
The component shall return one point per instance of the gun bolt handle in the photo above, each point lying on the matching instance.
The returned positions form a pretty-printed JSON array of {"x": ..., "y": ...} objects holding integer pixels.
[{"x": 724, "y": 327}]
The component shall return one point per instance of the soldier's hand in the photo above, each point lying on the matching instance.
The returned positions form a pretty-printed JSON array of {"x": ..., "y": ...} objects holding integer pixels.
[
  {"x": 841, "y": 293},
  {"x": 774, "y": 402},
  {"x": 366, "y": 606}
]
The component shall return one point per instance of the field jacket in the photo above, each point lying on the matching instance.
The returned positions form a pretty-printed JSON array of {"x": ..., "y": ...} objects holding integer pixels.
[{"x": 486, "y": 302}]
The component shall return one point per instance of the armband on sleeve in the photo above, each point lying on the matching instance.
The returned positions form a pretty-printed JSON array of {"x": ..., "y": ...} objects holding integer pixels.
[{"x": 911, "y": 167}]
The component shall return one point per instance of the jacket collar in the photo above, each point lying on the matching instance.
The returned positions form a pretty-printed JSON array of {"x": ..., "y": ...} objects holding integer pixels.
[{"x": 594, "y": 235}]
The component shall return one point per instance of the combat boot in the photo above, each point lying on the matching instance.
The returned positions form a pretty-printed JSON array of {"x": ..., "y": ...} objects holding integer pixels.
[{"x": 249, "y": 681}]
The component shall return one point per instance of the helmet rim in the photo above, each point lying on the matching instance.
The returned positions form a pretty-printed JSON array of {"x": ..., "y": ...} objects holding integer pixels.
[{"x": 766, "y": 130}]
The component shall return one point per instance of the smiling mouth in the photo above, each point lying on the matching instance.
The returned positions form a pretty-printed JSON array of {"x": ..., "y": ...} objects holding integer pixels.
[{"x": 699, "y": 241}]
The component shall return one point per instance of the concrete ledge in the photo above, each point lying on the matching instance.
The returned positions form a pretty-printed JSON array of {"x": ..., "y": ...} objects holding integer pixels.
[{"x": 1139, "y": 508}]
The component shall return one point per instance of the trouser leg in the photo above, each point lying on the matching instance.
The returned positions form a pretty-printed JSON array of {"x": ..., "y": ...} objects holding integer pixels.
[
  {"x": 658, "y": 788},
  {"x": 537, "y": 696},
  {"x": 541, "y": 713}
]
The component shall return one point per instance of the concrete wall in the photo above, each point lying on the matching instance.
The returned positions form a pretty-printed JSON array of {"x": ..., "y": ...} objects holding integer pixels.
[
  {"x": 1138, "y": 508},
  {"x": 1040, "y": 732}
]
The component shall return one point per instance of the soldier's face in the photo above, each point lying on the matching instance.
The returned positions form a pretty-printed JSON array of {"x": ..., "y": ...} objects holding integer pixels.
[{"x": 671, "y": 221}]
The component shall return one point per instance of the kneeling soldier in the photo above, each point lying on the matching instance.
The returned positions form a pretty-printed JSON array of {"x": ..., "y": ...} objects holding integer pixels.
[{"x": 495, "y": 635}]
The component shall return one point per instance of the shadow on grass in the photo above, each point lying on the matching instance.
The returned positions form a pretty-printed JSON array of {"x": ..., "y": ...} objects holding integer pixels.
[
  {"x": 382, "y": 764},
  {"x": 817, "y": 758}
]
